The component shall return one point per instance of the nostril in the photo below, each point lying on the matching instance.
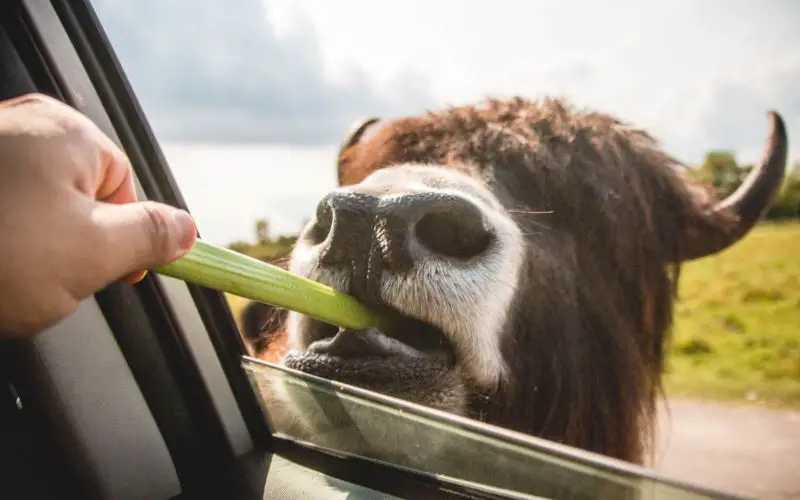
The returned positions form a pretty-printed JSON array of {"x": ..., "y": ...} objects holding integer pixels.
[
  {"x": 322, "y": 223},
  {"x": 457, "y": 233}
]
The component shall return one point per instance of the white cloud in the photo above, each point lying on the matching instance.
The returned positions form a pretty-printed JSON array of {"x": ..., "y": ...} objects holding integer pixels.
[
  {"x": 668, "y": 66},
  {"x": 218, "y": 71}
]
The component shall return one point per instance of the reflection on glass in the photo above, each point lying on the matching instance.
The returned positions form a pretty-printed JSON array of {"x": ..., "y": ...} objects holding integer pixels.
[{"x": 350, "y": 420}]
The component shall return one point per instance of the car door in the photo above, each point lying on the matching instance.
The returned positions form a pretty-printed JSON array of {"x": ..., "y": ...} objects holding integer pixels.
[{"x": 147, "y": 391}]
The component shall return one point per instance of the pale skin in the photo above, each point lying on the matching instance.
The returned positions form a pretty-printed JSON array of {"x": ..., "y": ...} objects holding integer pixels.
[{"x": 70, "y": 220}]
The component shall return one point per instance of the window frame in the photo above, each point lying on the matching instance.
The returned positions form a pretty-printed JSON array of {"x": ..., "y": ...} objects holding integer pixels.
[
  {"x": 137, "y": 139},
  {"x": 160, "y": 359},
  {"x": 158, "y": 184}
]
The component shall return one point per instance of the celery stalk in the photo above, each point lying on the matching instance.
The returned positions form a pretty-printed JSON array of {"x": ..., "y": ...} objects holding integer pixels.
[{"x": 228, "y": 271}]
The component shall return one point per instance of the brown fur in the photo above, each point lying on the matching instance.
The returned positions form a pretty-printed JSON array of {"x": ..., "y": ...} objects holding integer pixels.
[{"x": 606, "y": 214}]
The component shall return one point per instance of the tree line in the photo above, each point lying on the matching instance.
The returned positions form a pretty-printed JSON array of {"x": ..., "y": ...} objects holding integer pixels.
[
  {"x": 265, "y": 247},
  {"x": 721, "y": 170}
]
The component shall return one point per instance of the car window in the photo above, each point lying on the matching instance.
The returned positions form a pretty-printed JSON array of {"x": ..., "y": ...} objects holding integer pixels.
[
  {"x": 595, "y": 273},
  {"x": 361, "y": 423}
]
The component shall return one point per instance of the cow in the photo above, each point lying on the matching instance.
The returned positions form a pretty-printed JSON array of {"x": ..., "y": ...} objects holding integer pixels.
[{"x": 527, "y": 253}]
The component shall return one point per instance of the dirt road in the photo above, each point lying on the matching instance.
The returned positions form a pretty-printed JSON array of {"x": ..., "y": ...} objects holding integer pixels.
[{"x": 753, "y": 452}]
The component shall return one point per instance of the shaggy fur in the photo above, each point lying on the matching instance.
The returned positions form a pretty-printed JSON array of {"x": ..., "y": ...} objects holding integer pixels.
[{"x": 607, "y": 217}]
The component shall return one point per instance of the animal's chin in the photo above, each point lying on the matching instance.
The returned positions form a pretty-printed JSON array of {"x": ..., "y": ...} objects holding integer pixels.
[{"x": 408, "y": 357}]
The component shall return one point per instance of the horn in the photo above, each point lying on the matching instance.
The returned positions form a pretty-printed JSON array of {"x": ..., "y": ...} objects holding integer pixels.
[
  {"x": 747, "y": 204},
  {"x": 352, "y": 137},
  {"x": 355, "y": 132}
]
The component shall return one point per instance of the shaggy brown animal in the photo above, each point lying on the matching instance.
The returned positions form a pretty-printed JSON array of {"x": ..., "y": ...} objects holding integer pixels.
[{"x": 551, "y": 286}]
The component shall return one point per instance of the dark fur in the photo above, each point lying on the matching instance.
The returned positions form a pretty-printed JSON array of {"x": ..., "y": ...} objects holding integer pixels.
[
  {"x": 606, "y": 214},
  {"x": 259, "y": 322}
]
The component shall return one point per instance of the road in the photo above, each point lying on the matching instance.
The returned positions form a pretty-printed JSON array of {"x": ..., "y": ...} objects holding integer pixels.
[{"x": 750, "y": 451}]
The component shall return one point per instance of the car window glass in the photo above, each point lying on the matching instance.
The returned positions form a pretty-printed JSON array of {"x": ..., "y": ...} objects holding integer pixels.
[{"x": 409, "y": 437}]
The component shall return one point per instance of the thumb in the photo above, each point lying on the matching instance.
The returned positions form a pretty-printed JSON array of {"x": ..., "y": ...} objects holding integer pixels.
[{"x": 141, "y": 236}]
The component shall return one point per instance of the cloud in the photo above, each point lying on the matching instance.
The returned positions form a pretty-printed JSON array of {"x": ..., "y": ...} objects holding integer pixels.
[
  {"x": 217, "y": 72},
  {"x": 726, "y": 110},
  {"x": 734, "y": 114},
  {"x": 689, "y": 112},
  {"x": 220, "y": 72}
]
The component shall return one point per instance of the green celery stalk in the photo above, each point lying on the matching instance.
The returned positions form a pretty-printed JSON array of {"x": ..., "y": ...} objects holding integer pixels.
[{"x": 228, "y": 271}]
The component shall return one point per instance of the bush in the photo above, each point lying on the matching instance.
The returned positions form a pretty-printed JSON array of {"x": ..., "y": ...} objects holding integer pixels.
[
  {"x": 721, "y": 170},
  {"x": 787, "y": 205}
]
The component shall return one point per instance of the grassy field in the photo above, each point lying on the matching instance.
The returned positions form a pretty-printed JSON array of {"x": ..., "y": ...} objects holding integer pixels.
[{"x": 737, "y": 325}]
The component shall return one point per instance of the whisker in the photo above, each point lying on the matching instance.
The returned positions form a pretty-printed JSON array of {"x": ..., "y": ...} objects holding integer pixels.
[{"x": 530, "y": 212}]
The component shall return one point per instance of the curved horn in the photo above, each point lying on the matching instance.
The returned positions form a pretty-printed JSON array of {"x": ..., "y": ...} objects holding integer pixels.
[
  {"x": 747, "y": 204},
  {"x": 350, "y": 139},
  {"x": 355, "y": 132}
]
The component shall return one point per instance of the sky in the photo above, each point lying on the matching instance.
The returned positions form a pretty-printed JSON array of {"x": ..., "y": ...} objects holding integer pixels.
[{"x": 249, "y": 98}]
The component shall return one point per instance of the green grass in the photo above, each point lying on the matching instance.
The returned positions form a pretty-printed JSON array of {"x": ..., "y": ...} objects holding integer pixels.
[{"x": 737, "y": 323}]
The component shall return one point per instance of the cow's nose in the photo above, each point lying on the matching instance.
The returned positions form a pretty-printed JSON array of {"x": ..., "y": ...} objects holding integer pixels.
[
  {"x": 345, "y": 224},
  {"x": 445, "y": 224},
  {"x": 395, "y": 229}
]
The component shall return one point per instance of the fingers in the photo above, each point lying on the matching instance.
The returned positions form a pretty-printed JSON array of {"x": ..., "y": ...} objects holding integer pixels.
[
  {"x": 115, "y": 182},
  {"x": 140, "y": 236},
  {"x": 116, "y": 185},
  {"x": 134, "y": 277},
  {"x": 106, "y": 171},
  {"x": 128, "y": 238},
  {"x": 29, "y": 98}
]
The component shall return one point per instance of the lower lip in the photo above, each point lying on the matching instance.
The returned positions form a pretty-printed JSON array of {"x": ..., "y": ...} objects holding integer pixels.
[
  {"x": 380, "y": 345},
  {"x": 369, "y": 370},
  {"x": 364, "y": 370}
]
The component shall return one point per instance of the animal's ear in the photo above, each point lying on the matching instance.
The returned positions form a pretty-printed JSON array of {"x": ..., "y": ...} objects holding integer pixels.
[{"x": 354, "y": 134}]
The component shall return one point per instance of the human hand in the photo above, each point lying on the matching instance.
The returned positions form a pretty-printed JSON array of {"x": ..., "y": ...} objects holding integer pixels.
[{"x": 70, "y": 220}]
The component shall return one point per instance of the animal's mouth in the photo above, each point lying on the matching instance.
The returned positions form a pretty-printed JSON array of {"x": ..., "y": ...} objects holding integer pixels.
[{"x": 405, "y": 350}]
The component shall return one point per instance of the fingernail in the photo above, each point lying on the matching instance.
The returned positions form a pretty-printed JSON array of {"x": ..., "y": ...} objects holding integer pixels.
[{"x": 186, "y": 230}]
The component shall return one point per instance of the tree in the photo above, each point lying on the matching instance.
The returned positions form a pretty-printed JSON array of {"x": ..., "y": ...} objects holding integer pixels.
[
  {"x": 787, "y": 203},
  {"x": 721, "y": 170},
  {"x": 262, "y": 231},
  {"x": 240, "y": 246}
]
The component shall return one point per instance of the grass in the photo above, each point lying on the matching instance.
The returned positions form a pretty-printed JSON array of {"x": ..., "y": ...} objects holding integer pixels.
[{"x": 737, "y": 322}]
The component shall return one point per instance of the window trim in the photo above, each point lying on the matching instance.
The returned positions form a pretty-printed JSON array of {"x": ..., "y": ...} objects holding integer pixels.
[
  {"x": 70, "y": 427},
  {"x": 560, "y": 451},
  {"x": 189, "y": 411},
  {"x": 103, "y": 71},
  {"x": 208, "y": 324}
]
